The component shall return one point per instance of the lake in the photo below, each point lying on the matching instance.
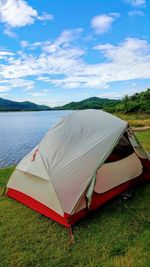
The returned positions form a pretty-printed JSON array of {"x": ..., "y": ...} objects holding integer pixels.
[{"x": 20, "y": 132}]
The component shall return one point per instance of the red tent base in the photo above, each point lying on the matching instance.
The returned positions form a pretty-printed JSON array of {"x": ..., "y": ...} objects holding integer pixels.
[
  {"x": 100, "y": 199},
  {"x": 97, "y": 200},
  {"x": 37, "y": 206}
]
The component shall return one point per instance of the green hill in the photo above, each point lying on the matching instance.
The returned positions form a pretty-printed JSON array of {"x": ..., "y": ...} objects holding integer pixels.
[
  {"x": 92, "y": 102},
  {"x": 8, "y": 105},
  {"x": 137, "y": 103}
]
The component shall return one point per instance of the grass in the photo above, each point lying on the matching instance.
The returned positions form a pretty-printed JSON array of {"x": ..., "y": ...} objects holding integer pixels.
[
  {"x": 144, "y": 137},
  {"x": 136, "y": 120},
  {"x": 115, "y": 235}
]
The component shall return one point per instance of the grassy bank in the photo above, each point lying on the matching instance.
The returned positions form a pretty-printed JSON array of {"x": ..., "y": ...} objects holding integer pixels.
[
  {"x": 144, "y": 137},
  {"x": 136, "y": 120},
  {"x": 115, "y": 235}
]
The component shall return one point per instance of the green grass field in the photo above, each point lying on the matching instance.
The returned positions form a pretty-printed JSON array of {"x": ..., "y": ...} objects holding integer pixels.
[
  {"x": 136, "y": 120},
  {"x": 115, "y": 235},
  {"x": 144, "y": 137}
]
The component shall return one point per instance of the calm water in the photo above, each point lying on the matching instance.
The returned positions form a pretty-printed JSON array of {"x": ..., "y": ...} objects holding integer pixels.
[{"x": 22, "y": 131}]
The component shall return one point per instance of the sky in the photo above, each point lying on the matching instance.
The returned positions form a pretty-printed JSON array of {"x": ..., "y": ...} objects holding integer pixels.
[{"x": 55, "y": 52}]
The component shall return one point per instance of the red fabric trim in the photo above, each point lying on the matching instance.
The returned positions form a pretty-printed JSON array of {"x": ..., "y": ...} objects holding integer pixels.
[
  {"x": 78, "y": 216},
  {"x": 37, "y": 206},
  {"x": 146, "y": 168},
  {"x": 97, "y": 200},
  {"x": 34, "y": 155},
  {"x": 100, "y": 199}
]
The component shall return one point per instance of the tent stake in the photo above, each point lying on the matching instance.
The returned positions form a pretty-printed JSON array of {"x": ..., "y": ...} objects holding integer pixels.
[
  {"x": 3, "y": 193},
  {"x": 71, "y": 235}
]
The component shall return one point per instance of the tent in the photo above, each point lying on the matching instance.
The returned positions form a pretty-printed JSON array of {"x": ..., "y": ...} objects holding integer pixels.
[{"x": 89, "y": 157}]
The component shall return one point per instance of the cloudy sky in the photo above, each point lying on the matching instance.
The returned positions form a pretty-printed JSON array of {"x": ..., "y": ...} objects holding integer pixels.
[{"x": 54, "y": 52}]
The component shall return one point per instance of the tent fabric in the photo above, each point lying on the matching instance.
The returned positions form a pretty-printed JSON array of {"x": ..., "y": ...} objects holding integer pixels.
[
  {"x": 37, "y": 206},
  {"x": 35, "y": 167},
  {"x": 70, "y": 153},
  {"x": 115, "y": 173},
  {"x": 61, "y": 171},
  {"x": 33, "y": 186}
]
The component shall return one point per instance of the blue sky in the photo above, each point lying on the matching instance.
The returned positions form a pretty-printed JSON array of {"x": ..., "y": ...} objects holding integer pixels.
[{"x": 54, "y": 52}]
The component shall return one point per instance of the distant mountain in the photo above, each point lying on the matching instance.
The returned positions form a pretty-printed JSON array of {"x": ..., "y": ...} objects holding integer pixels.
[
  {"x": 92, "y": 102},
  {"x": 8, "y": 105},
  {"x": 137, "y": 103}
]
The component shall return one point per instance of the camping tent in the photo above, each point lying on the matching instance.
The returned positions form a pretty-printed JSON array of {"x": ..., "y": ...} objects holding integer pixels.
[{"x": 89, "y": 157}]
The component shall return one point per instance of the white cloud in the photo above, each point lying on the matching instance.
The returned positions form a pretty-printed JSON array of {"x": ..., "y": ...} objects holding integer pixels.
[
  {"x": 6, "y": 53},
  {"x": 37, "y": 94},
  {"x": 63, "y": 40},
  {"x": 129, "y": 90},
  {"x": 45, "y": 16},
  {"x": 65, "y": 66},
  {"x": 88, "y": 80},
  {"x": 9, "y": 84},
  {"x": 36, "y": 44},
  {"x": 51, "y": 102},
  {"x": 18, "y": 13},
  {"x": 69, "y": 35},
  {"x": 130, "y": 51},
  {"x": 114, "y": 95},
  {"x": 8, "y": 31},
  {"x": 24, "y": 43},
  {"x": 31, "y": 46},
  {"x": 136, "y": 13},
  {"x": 136, "y": 3},
  {"x": 4, "y": 88},
  {"x": 3, "y": 95},
  {"x": 102, "y": 23},
  {"x": 21, "y": 83},
  {"x": 42, "y": 78}
]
